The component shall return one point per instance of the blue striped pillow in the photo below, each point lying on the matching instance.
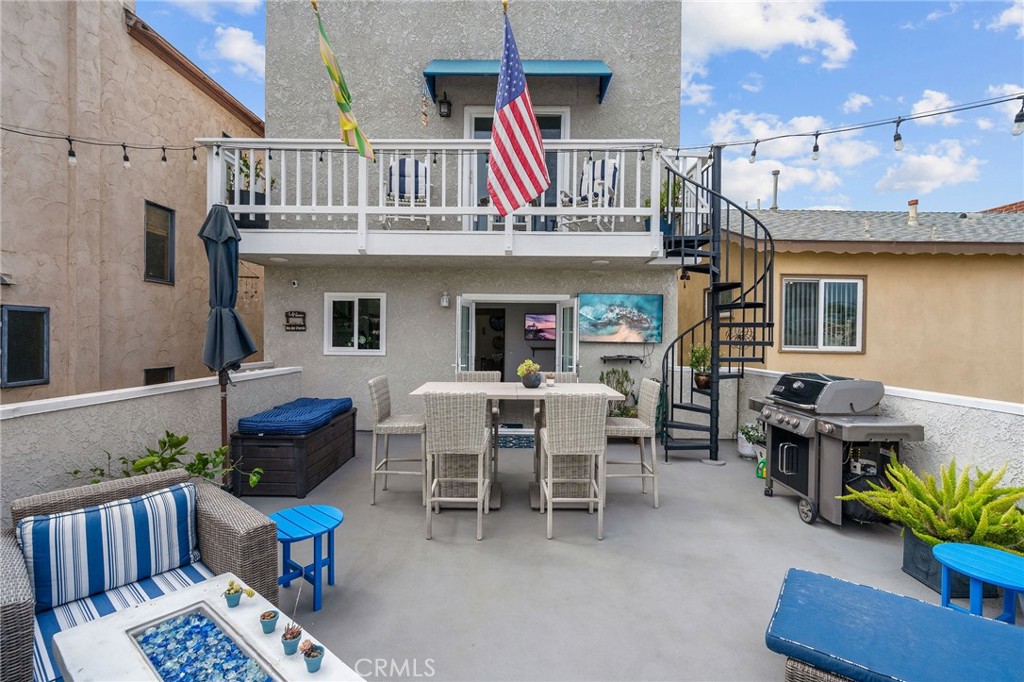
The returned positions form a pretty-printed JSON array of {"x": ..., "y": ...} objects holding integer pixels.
[{"x": 82, "y": 552}]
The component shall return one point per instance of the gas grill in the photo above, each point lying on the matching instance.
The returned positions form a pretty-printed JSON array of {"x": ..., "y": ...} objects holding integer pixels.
[{"x": 823, "y": 432}]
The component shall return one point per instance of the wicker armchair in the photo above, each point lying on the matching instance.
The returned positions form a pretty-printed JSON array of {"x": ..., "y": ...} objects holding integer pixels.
[
  {"x": 640, "y": 427},
  {"x": 232, "y": 536},
  {"x": 458, "y": 441},
  {"x": 572, "y": 447},
  {"x": 387, "y": 424}
]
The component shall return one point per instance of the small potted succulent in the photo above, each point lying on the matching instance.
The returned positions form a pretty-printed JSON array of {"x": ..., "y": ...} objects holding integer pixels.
[
  {"x": 549, "y": 378},
  {"x": 313, "y": 653},
  {"x": 233, "y": 593},
  {"x": 268, "y": 619},
  {"x": 290, "y": 638},
  {"x": 530, "y": 373},
  {"x": 700, "y": 364}
]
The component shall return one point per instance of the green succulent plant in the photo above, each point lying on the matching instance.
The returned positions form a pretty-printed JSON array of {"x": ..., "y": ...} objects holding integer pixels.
[{"x": 950, "y": 509}]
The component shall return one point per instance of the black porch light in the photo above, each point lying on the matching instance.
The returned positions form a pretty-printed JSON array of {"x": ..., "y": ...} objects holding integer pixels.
[{"x": 444, "y": 107}]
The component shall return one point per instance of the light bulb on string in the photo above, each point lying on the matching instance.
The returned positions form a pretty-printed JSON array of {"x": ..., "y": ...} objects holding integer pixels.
[
  {"x": 897, "y": 139},
  {"x": 195, "y": 159},
  {"x": 163, "y": 156},
  {"x": 124, "y": 159},
  {"x": 71, "y": 153},
  {"x": 753, "y": 152},
  {"x": 1018, "y": 120},
  {"x": 815, "y": 150}
]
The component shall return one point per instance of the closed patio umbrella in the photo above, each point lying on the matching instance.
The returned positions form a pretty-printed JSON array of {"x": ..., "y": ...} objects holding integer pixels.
[{"x": 227, "y": 340}]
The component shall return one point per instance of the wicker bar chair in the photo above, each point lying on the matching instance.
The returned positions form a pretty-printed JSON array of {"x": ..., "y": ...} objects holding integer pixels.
[
  {"x": 458, "y": 440},
  {"x": 490, "y": 376},
  {"x": 232, "y": 537},
  {"x": 386, "y": 424},
  {"x": 573, "y": 447},
  {"x": 640, "y": 427}
]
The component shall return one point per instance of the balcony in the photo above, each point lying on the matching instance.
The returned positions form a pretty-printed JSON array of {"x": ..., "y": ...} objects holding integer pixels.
[{"x": 327, "y": 205}]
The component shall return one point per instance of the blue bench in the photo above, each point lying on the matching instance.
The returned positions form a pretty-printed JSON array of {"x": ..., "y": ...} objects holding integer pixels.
[{"x": 830, "y": 627}]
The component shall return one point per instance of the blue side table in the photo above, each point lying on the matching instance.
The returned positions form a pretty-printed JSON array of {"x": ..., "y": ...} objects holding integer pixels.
[
  {"x": 982, "y": 565},
  {"x": 301, "y": 523}
]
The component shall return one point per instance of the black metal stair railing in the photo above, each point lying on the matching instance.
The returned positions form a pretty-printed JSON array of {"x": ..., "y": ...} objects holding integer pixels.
[{"x": 717, "y": 239}]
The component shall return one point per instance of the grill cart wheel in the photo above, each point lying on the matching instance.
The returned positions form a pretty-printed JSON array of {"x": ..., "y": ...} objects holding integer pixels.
[
  {"x": 808, "y": 511},
  {"x": 768, "y": 492}
]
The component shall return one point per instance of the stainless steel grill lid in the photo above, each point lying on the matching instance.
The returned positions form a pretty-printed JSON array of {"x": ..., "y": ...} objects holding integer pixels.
[{"x": 828, "y": 393}]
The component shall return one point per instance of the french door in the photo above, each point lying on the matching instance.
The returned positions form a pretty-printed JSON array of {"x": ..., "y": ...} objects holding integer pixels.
[{"x": 567, "y": 340}]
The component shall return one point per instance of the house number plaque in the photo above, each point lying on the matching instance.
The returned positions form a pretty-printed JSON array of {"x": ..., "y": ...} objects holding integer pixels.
[{"x": 295, "y": 321}]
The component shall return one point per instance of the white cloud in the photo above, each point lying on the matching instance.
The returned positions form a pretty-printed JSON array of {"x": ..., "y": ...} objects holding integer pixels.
[
  {"x": 1008, "y": 109},
  {"x": 938, "y": 14},
  {"x": 984, "y": 123},
  {"x": 943, "y": 164},
  {"x": 722, "y": 27},
  {"x": 1011, "y": 17},
  {"x": 931, "y": 100},
  {"x": 747, "y": 182},
  {"x": 754, "y": 82},
  {"x": 239, "y": 47},
  {"x": 855, "y": 102},
  {"x": 206, "y": 10}
]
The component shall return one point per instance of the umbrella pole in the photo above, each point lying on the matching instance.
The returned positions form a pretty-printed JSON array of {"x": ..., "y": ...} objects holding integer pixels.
[{"x": 223, "y": 375}]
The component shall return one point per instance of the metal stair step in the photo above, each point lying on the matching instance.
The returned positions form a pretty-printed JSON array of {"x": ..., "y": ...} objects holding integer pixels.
[
  {"x": 687, "y": 444},
  {"x": 740, "y": 305},
  {"x": 692, "y": 407},
  {"x": 685, "y": 426},
  {"x": 742, "y": 359},
  {"x": 750, "y": 342},
  {"x": 702, "y": 268},
  {"x": 725, "y": 286},
  {"x": 741, "y": 325},
  {"x": 725, "y": 376}
]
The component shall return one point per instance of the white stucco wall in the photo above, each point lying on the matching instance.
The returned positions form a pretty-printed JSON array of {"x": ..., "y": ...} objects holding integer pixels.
[
  {"x": 45, "y": 439},
  {"x": 978, "y": 433}
]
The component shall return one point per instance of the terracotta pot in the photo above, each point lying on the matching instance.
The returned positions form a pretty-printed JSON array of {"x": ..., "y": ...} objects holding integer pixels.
[{"x": 702, "y": 380}]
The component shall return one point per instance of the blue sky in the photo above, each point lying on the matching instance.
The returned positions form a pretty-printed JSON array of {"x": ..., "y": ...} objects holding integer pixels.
[{"x": 751, "y": 70}]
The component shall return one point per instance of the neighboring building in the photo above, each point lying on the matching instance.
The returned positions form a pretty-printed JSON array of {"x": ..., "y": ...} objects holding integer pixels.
[
  {"x": 1015, "y": 207},
  {"x": 364, "y": 289},
  {"x": 936, "y": 306},
  {"x": 106, "y": 280}
]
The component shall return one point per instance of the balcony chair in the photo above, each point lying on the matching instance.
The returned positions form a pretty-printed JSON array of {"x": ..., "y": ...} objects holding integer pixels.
[
  {"x": 640, "y": 427},
  {"x": 597, "y": 190},
  {"x": 407, "y": 186},
  {"x": 573, "y": 447},
  {"x": 458, "y": 440},
  {"x": 492, "y": 376},
  {"x": 386, "y": 424}
]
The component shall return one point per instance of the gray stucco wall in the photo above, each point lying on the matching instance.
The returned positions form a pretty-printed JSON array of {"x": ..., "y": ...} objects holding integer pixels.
[
  {"x": 383, "y": 47},
  {"x": 39, "y": 449},
  {"x": 421, "y": 335}
]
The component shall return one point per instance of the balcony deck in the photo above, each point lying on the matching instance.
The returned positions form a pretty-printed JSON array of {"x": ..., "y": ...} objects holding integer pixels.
[{"x": 327, "y": 205}]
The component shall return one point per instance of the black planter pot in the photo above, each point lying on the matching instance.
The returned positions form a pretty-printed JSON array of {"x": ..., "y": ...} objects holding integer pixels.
[
  {"x": 260, "y": 221},
  {"x": 919, "y": 563}
]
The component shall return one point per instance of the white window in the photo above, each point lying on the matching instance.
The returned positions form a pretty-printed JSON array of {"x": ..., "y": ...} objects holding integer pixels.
[
  {"x": 822, "y": 314},
  {"x": 354, "y": 324}
]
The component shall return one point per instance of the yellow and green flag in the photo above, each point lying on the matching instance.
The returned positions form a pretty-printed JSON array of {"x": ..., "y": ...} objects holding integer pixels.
[{"x": 350, "y": 133}]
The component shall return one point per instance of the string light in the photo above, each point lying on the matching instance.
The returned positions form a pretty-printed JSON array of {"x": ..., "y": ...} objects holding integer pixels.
[
  {"x": 1018, "y": 120},
  {"x": 897, "y": 139},
  {"x": 71, "y": 153},
  {"x": 195, "y": 159},
  {"x": 753, "y": 152},
  {"x": 216, "y": 150},
  {"x": 815, "y": 150},
  {"x": 127, "y": 162},
  {"x": 321, "y": 156},
  {"x": 163, "y": 156},
  {"x": 270, "y": 155}
]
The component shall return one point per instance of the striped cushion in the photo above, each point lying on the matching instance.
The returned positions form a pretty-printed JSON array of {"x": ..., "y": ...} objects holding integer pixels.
[
  {"x": 86, "y": 551},
  {"x": 407, "y": 179},
  {"x": 49, "y": 623}
]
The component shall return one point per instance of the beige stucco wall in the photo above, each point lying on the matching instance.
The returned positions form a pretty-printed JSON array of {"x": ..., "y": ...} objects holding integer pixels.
[
  {"x": 41, "y": 447},
  {"x": 72, "y": 238},
  {"x": 421, "y": 335}
]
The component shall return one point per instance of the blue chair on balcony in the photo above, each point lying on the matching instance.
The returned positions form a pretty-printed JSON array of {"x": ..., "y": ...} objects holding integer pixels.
[
  {"x": 597, "y": 190},
  {"x": 407, "y": 187}
]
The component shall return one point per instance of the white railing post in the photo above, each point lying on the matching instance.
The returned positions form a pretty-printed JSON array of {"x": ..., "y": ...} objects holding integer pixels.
[
  {"x": 655, "y": 208},
  {"x": 509, "y": 232},
  {"x": 361, "y": 198},
  {"x": 215, "y": 180}
]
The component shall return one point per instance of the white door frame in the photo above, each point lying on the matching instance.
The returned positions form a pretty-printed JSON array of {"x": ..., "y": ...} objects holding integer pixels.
[{"x": 472, "y": 300}]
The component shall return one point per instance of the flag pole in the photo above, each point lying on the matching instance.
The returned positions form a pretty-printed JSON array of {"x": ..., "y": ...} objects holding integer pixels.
[{"x": 504, "y": 6}]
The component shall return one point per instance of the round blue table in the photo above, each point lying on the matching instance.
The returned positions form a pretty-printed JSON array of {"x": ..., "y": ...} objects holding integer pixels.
[
  {"x": 982, "y": 565},
  {"x": 301, "y": 523}
]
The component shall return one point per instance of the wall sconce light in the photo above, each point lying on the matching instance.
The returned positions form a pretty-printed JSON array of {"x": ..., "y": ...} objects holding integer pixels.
[
  {"x": 445, "y": 299},
  {"x": 444, "y": 110}
]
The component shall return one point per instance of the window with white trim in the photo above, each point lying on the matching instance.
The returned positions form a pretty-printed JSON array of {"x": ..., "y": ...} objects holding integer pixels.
[
  {"x": 354, "y": 324},
  {"x": 820, "y": 314}
]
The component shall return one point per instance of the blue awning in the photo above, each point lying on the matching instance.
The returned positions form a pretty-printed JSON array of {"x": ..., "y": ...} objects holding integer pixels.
[{"x": 594, "y": 68}]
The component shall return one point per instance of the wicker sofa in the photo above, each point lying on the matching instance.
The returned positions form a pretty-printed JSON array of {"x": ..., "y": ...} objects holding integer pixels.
[{"x": 230, "y": 535}]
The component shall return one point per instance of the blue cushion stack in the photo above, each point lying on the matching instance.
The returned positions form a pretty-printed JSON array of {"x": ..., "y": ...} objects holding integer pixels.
[{"x": 296, "y": 418}]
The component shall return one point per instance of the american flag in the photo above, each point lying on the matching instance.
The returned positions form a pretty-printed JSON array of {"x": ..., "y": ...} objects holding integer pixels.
[{"x": 516, "y": 173}]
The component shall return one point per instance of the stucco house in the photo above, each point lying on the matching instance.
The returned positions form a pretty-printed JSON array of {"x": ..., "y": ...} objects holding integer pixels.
[
  {"x": 929, "y": 301},
  {"x": 363, "y": 281},
  {"x": 105, "y": 283}
]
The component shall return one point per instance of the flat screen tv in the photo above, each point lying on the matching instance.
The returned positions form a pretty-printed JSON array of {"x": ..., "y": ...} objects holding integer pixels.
[
  {"x": 539, "y": 327},
  {"x": 620, "y": 318}
]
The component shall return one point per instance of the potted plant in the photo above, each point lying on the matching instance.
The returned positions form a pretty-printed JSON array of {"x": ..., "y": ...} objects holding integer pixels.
[
  {"x": 290, "y": 638},
  {"x": 700, "y": 364},
  {"x": 621, "y": 381},
  {"x": 951, "y": 509},
  {"x": 268, "y": 620},
  {"x": 667, "y": 221},
  {"x": 750, "y": 438},
  {"x": 233, "y": 593},
  {"x": 252, "y": 178},
  {"x": 530, "y": 373},
  {"x": 314, "y": 655}
]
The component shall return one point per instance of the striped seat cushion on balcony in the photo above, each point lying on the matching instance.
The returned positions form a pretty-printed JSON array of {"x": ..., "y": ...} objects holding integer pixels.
[
  {"x": 296, "y": 418},
  {"x": 407, "y": 179},
  {"x": 66, "y": 616},
  {"x": 74, "y": 554}
]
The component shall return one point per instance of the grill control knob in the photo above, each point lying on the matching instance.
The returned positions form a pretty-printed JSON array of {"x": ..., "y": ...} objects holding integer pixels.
[
  {"x": 780, "y": 418},
  {"x": 793, "y": 421},
  {"x": 827, "y": 428}
]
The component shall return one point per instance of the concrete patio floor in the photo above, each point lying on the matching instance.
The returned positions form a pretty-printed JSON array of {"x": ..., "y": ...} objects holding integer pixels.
[{"x": 683, "y": 592}]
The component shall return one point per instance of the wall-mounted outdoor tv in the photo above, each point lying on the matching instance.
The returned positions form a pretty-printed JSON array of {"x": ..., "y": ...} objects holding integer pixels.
[
  {"x": 620, "y": 318},
  {"x": 539, "y": 327}
]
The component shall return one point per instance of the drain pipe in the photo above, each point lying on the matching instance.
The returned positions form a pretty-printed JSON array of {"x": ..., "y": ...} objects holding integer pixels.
[
  {"x": 912, "y": 217},
  {"x": 775, "y": 190}
]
